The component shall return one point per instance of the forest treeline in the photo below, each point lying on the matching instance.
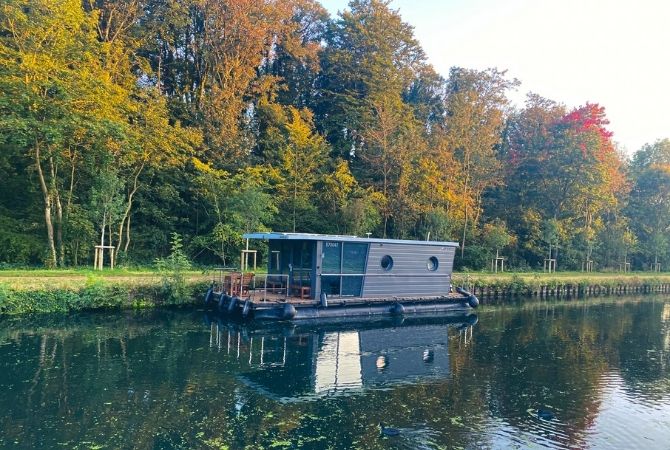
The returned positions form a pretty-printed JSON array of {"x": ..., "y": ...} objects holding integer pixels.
[{"x": 124, "y": 121}]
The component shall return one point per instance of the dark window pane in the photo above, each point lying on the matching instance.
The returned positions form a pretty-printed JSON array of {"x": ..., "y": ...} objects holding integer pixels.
[
  {"x": 307, "y": 254},
  {"x": 297, "y": 255},
  {"x": 330, "y": 285},
  {"x": 331, "y": 257},
  {"x": 354, "y": 258},
  {"x": 284, "y": 258},
  {"x": 274, "y": 257},
  {"x": 351, "y": 286}
]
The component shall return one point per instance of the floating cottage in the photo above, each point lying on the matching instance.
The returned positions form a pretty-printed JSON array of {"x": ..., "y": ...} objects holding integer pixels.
[{"x": 327, "y": 276}]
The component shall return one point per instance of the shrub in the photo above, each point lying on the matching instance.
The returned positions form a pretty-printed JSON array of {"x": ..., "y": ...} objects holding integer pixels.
[{"x": 172, "y": 271}]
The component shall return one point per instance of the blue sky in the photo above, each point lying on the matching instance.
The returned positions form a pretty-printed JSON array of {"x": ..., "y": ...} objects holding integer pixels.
[{"x": 616, "y": 52}]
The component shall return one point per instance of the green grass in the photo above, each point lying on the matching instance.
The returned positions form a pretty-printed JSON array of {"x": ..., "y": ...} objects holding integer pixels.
[
  {"x": 561, "y": 275},
  {"x": 38, "y": 279},
  {"x": 63, "y": 290},
  {"x": 97, "y": 295},
  {"x": 33, "y": 279},
  {"x": 525, "y": 283},
  {"x": 86, "y": 271},
  {"x": 41, "y": 290}
]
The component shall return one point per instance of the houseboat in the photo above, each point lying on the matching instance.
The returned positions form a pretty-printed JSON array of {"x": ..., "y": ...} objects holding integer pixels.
[{"x": 328, "y": 276}]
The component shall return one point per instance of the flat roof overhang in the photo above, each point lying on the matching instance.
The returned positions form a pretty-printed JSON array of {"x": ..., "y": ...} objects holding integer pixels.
[{"x": 342, "y": 238}]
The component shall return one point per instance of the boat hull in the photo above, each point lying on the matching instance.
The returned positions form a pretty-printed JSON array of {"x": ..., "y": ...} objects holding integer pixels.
[{"x": 248, "y": 309}]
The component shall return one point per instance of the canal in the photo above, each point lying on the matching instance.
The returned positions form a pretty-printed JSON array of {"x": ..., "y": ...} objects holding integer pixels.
[{"x": 580, "y": 374}]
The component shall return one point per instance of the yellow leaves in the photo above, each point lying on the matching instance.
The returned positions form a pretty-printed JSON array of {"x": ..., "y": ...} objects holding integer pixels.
[
  {"x": 378, "y": 199},
  {"x": 663, "y": 167},
  {"x": 300, "y": 129},
  {"x": 343, "y": 177},
  {"x": 201, "y": 166},
  {"x": 305, "y": 150},
  {"x": 339, "y": 184},
  {"x": 206, "y": 168}
]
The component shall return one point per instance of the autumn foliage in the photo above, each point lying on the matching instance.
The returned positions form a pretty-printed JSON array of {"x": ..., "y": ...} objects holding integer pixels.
[{"x": 124, "y": 121}]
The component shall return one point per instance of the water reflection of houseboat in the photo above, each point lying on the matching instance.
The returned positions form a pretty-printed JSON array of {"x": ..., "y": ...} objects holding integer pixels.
[
  {"x": 326, "y": 276},
  {"x": 303, "y": 363}
]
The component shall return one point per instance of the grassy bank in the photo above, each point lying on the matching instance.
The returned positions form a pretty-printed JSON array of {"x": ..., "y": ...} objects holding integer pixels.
[
  {"x": 41, "y": 291},
  {"x": 573, "y": 283},
  {"x": 539, "y": 278},
  {"x": 74, "y": 279},
  {"x": 45, "y": 291}
]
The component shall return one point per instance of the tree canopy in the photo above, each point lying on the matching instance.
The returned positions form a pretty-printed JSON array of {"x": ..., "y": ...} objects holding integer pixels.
[{"x": 125, "y": 121}]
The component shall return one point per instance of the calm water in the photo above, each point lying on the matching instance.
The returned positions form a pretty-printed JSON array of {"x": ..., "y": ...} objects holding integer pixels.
[{"x": 558, "y": 375}]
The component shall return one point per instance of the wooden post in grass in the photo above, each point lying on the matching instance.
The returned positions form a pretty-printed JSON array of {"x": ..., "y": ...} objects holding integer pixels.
[{"x": 99, "y": 259}]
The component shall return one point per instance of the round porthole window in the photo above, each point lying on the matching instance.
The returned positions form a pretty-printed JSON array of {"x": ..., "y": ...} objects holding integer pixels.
[
  {"x": 432, "y": 264},
  {"x": 387, "y": 263}
]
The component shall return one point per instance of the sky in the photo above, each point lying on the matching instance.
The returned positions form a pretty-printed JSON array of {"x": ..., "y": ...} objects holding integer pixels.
[{"x": 615, "y": 53}]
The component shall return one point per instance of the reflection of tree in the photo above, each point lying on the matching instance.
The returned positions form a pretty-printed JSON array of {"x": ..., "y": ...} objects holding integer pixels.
[
  {"x": 542, "y": 357},
  {"x": 151, "y": 380},
  {"x": 644, "y": 360}
]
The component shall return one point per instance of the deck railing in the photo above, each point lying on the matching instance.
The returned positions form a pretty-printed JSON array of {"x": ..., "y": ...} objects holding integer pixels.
[{"x": 263, "y": 287}]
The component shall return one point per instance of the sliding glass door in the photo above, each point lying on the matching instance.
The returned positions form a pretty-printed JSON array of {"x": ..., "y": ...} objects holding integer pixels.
[{"x": 343, "y": 267}]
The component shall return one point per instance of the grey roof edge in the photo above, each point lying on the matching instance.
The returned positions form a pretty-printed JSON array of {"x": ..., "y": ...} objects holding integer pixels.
[{"x": 342, "y": 238}]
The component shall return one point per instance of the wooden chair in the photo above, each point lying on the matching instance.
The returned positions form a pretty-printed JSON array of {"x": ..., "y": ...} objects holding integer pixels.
[
  {"x": 238, "y": 283},
  {"x": 247, "y": 281},
  {"x": 273, "y": 282},
  {"x": 229, "y": 282},
  {"x": 301, "y": 291}
]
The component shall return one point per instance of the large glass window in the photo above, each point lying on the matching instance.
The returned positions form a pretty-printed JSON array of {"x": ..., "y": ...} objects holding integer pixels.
[
  {"x": 331, "y": 285},
  {"x": 353, "y": 260},
  {"x": 351, "y": 286},
  {"x": 332, "y": 257},
  {"x": 302, "y": 263},
  {"x": 343, "y": 259},
  {"x": 290, "y": 264}
]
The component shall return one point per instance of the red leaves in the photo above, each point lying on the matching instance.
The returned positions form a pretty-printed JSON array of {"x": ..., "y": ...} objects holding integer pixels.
[{"x": 588, "y": 118}]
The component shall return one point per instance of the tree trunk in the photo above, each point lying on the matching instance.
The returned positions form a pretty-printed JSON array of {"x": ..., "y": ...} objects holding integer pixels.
[
  {"x": 59, "y": 231},
  {"x": 465, "y": 227},
  {"x": 73, "y": 159},
  {"x": 127, "y": 244},
  {"x": 109, "y": 231},
  {"x": 47, "y": 209},
  {"x": 466, "y": 185},
  {"x": 101, "y": 258},
  {"x": 59, "y": 214},
  {"x": 386, "y": 199},
  {"x": 125, "y": 220},
  {"x": 295, "y": 196}
]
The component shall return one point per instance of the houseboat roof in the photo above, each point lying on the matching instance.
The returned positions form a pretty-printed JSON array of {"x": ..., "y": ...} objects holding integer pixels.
[{"x": 343, "y": 238}]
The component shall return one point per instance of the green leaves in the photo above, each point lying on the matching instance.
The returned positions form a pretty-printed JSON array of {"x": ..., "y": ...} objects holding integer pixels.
[
  {"x": 211, "y": 118},
  {"x": 172, "y": 269}
]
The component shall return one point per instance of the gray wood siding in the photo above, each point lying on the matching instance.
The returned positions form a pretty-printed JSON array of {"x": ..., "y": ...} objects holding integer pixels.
[{"x": 409, "y": 276}]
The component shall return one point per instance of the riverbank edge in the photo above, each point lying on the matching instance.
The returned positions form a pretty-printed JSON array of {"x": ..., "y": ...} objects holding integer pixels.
[
  {"x": 108, "y": 295},
  {"x": 546, "y": 286},
  {"x": 99, "y": 296}
]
